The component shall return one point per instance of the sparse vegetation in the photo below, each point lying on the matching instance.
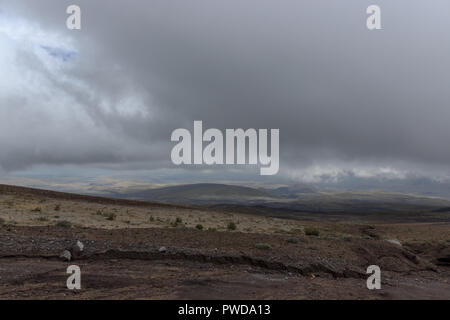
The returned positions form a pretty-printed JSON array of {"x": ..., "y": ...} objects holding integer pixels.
[
  {"x": 64, "y": 224},
  {"x": 296, "y": 231},
  {"x": 111, "y": 216},
  {"x": 231, "y": 226},
  {"x": 312, "y": 231},
  {"x": 263, "y": 246},
  {"x": 9, "y": 203},
  {"x": 293, "y": 240},
  {"x": 276, "y": 245}
]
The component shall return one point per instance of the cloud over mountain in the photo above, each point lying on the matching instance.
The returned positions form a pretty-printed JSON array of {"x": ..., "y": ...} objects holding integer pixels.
[{"x": 110, "y": 95}]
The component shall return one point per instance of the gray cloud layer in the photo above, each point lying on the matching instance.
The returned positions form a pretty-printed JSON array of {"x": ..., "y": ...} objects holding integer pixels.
[{"x": 340, "y": 94}]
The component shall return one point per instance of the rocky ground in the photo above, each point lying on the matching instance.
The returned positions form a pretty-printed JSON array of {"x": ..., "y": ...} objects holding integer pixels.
[
  {"x": 296, "y": 260},
  {"x": 131, "y": 264}
]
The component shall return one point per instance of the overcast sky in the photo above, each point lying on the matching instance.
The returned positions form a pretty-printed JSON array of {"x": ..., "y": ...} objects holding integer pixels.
[{"x": 346, "y": 100}]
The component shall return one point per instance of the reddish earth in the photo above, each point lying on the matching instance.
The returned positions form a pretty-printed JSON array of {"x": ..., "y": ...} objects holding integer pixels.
[
  {"x": 126, "y": 264},
  {"x": 121, "y": 262}
]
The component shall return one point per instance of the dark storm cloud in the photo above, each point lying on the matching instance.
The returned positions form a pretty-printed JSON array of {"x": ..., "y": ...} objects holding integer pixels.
[{"x": 340, "y": 94}]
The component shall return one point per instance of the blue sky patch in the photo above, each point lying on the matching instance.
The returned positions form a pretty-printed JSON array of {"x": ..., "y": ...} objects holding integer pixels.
[{"x": 60, "y": 53}]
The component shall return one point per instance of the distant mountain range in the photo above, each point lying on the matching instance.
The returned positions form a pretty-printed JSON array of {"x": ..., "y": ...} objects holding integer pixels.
[
  {"x": 213, "y": 193},
  {"x": 200, "y": 192},
  {"x": 295, "y": 202},
  {"x": 298, "y": 201}
]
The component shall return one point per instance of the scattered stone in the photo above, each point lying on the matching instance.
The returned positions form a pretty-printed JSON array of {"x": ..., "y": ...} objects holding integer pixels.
[
  {"x": 393, "y": 241},
  {"x": 79, "y": 245},
  {"x": 66, "y": 255},
  {"x": 162, "y": 249},
  {"x": 77, "y": 249}
]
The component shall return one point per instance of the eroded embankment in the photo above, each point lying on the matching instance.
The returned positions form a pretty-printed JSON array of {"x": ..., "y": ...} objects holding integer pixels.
[{"x": 359, "y": 255}]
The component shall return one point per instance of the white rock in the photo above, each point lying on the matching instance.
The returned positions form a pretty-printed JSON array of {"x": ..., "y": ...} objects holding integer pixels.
[
  {"x": 80, "y": 245},
  {"x": 66, "y": 255},
  {"x": 393, "y": 241},
  {"x": 162, "y": 249}
]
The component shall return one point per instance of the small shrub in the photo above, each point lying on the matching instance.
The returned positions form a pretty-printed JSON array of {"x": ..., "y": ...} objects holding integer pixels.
[
  {"x": 347, "y": 238},
  {"x": 293, "y": 240},
  {"x": 212, "y": 229},
  {"x": 311, "y": 231},
  {"x": 111, "y": 216},
  {"x": 151, "y": 218},
  {"x": 9, "y": 203},
  {"x": 99, "y": 212},
  {"x": 263, "y": 246},
  {"x": 296, "y": 231},
  {"x": 58, "y": 207},
  {"x": 64, "y": 224},
  {"x": 231, "y": 226},
  {"x": 199, "y": 227},
  {"x": 178, "y": 220},
  {"x": 37, "y": 209},
  {"x": 42, "y": 219}
]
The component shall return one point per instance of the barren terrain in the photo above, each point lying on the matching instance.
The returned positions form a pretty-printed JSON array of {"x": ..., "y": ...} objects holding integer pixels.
[{"x": 209, "y": 254}]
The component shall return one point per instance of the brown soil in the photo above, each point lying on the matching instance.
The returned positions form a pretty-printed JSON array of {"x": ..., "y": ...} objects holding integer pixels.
[{"x": 267, "y": 262}]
